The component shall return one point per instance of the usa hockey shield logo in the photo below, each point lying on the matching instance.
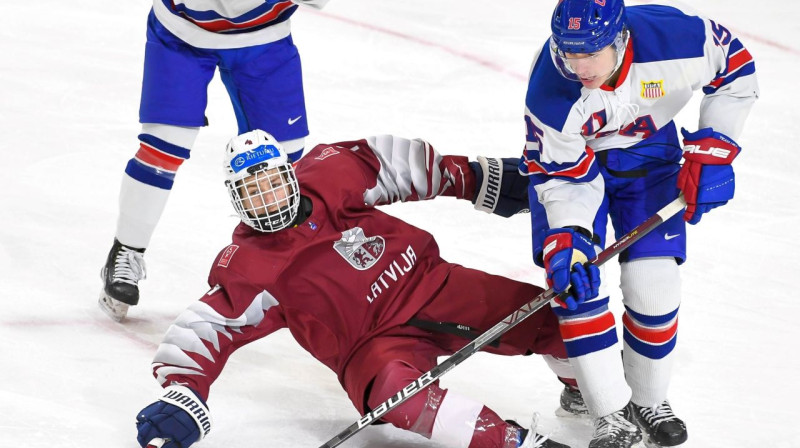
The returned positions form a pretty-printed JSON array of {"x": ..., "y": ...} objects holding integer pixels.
[
  {"x": 361, "y": 251},
  {"x": 652, "y": 89}
]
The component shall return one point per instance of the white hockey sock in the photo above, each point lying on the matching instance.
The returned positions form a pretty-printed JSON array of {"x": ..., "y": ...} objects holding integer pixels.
[
  {"x": 141, "y": 204},
  {"x": 651, "y": 294},
  {"x": 602, "y": 381},
  {"x": 560, "y": 366},
  {"x": 140, "y": 208},
  {"x": 590, "y": 335}
]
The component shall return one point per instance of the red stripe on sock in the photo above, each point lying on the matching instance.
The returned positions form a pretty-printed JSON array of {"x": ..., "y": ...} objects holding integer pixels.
[
  {"x": 597, "y": 324},
  {"x": 154, "y": 157},
  {"x": 650, "y": 335}
]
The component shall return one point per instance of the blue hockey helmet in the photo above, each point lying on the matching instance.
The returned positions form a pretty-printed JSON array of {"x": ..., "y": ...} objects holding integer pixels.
[{"x": 587, "y": 26}]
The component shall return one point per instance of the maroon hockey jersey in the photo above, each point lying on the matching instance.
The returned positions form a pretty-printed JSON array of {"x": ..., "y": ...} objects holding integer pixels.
[{"x": 347, "y": 273}]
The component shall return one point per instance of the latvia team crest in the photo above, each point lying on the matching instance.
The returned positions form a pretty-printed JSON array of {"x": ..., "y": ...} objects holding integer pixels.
[
  {"x": 358, "y": 249},
  {"x": 652, "y": 89}
]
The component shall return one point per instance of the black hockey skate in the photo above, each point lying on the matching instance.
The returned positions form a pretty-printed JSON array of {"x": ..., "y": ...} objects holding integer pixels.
[
  {"x": 572, "y": 404},
  {"x": 616, "y": 430},
  {"x": 660, "y": 425},
  {"x": 121, "y": 274}
]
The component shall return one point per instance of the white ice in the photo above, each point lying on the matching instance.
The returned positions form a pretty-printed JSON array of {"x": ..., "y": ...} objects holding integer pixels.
[{"x": 450, "y": 71}]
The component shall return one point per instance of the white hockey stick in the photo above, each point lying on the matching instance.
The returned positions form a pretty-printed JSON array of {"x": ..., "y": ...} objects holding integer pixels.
[{"x": 501, "y": 327}]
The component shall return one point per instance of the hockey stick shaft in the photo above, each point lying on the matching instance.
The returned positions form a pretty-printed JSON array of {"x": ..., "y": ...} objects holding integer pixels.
[{"x": 501, "y": 327}]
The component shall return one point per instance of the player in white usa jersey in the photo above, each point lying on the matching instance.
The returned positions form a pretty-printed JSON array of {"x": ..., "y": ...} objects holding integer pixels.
[
  {"x": 601, "y": 142},
  {"x": 187, "y": 40}
]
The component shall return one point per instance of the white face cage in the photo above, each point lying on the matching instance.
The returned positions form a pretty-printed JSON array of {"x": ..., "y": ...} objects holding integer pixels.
[
  {"x": 564, "y": 67},
  {"x": 267, "y": 199}
]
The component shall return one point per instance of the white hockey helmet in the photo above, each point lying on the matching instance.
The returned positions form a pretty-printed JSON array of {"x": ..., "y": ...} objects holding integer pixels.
[{"x": 261, "y": 181}]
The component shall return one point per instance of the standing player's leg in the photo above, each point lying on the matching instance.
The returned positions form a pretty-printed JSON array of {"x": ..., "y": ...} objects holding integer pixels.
[
  {"x": 172, "y": 109},
  {"x": 589, "y": 333},
  {"x": 651, "y": 291}
]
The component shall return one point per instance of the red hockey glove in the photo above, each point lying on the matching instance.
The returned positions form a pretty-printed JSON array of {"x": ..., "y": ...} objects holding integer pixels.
[{"x": 706, "y": 177}]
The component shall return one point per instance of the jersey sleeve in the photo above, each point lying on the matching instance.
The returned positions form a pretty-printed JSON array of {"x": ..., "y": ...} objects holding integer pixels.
[
  {"x": 197, "y": 345},
  {"x": 565, "y": 177},
  {"x": 562, "y": 169},
  {"x": 733, "y": 89},
  {"x": 316, "y": 4},
  {"x": 412, "y": 170}
]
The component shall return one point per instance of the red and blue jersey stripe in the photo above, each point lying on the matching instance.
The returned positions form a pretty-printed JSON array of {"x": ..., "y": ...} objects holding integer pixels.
[
  {"x": 266, "y": 14},
  {"x": 582, "y": 170},
  {"x": 740, "y": 64}
]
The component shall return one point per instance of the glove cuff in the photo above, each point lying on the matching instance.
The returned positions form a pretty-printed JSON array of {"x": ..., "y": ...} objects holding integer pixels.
[
  {"x": 489, "y": 189},
  {"x": 575, "y": 238},
  {"x": 186, "y": 399},
  {"x": 582, "y": 231}
]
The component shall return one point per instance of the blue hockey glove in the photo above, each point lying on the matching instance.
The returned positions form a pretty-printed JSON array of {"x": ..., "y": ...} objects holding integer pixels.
[
  {"x": 180, "y": 418},
  {"x": 706, "y": 177},
  {"x": 500, "y": 188},
  {"x": 565, "y": 255}
]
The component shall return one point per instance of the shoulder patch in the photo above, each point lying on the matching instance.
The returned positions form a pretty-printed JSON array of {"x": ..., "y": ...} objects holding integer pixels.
[
  {"x": 225, "y": 259},
  {"x": 327, "y": 152}
]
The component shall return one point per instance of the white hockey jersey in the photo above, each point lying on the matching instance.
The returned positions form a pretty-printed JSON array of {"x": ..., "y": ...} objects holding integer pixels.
[
  {"x": 222, "y": 24},
  {"x": 671, "y": 53}
]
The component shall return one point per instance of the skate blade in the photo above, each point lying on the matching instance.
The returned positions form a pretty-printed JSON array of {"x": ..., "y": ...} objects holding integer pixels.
[
  {"x": 113, "y": 308},
  {"x": 563, "y": 413},
  {"x": 646, "y": 443}
]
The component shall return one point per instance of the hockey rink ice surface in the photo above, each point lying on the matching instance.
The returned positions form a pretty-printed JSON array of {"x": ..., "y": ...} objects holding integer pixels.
[{"x": 450, "y": 71}]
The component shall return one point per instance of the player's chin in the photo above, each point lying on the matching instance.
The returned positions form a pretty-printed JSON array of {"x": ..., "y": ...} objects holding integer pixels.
[{"x": 591, "y": 83}]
